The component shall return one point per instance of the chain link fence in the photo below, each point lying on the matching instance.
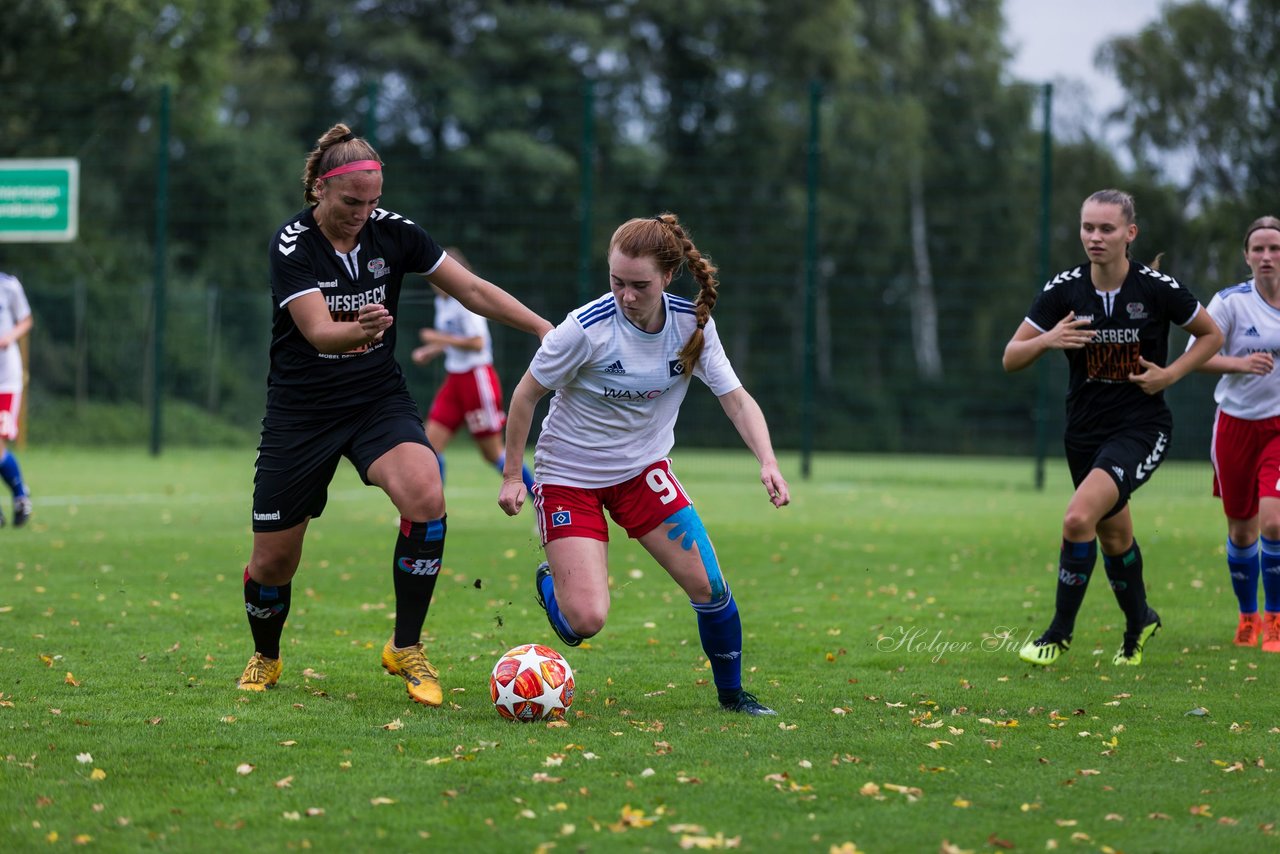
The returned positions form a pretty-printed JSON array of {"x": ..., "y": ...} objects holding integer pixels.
[{"x": 870, "y": 275}]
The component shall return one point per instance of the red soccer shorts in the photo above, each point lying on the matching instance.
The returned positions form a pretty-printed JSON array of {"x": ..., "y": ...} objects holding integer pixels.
[
  {"x": 10, "y": 404},
  {"x": 638, "y": 505},
  {"x": 1246, "y": 463},
  {"x": 475, "y": 398}
]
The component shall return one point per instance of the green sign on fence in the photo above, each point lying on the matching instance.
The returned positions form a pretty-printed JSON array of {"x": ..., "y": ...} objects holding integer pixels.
[{"x": 39, "y": 200}]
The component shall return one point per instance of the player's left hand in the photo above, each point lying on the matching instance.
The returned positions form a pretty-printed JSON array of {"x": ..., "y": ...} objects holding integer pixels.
[
  {"x": 511, "y": 496},
  {"x": 1153, "y": 379},
  {"x": 775, "y": 485},
  {"x": 375, "y": 320}
]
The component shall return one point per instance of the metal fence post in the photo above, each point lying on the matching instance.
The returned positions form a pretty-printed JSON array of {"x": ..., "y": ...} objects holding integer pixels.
[
  {"x": 1046, "y": 198},
  {"x": 158, "y": 295},
  {"x": 809, "y": 369},
  {"x": 587, "y": 190}
]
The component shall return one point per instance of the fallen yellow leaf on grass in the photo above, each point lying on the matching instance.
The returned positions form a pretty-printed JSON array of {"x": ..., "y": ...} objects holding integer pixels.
[
  {"x": 98, "y": 774},
  {"x": 71, "y": 680}
]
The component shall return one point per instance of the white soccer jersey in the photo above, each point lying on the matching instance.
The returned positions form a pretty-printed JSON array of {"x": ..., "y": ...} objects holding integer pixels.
[
  {"x": 1249, "y": 325},
  {"x": 618, "y": 391},
  {"x": 13, "y": 308},
  {"x": 454, "y": 318}
]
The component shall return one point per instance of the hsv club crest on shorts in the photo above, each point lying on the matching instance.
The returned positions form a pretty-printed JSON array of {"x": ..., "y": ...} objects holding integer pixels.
[{"x": 560, "y": 518}]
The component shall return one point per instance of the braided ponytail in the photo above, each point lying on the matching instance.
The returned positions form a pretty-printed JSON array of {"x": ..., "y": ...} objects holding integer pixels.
[{"x": 665, "y": 240}]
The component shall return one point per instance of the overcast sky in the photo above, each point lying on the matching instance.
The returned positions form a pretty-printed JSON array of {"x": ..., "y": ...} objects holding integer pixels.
[{"x": 1055, "y": 39}]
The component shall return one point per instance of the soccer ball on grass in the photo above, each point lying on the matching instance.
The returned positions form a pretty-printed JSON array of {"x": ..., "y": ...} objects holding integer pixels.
[{"x": 531, "y": 682}]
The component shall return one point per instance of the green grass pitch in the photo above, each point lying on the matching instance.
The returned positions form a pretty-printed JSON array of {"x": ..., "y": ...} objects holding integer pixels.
[{"x": 882, "y": 612}]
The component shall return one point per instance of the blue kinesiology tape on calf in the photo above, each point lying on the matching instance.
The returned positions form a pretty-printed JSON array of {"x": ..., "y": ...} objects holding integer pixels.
[{"x": 689, "y": 531}]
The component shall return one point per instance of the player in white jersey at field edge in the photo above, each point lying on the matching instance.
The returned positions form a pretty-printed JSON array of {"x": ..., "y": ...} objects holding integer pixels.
[
  {"x": 472, "y": 392},
  {"x": 620, "y": 367},
  {"x": 1110, "y": 318},
  {"x": 1246, "y": 432},
  {"x": 334, "y": 390},
  {"x": 15, "y": 322}
]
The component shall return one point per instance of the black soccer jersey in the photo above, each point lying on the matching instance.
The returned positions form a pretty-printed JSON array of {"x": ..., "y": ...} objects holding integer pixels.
[
  {"x": 303, "y": 260},
  {"x": 1129, "y": 322}
]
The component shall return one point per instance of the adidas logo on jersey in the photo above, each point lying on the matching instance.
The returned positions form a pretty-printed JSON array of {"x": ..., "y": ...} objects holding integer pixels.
[
  {"x": 616, "y": 368},
  {"x": 1252, "y": 332}
]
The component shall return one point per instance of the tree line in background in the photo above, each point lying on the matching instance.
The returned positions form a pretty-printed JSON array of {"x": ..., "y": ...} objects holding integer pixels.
[{"x": 525, "y": 131}]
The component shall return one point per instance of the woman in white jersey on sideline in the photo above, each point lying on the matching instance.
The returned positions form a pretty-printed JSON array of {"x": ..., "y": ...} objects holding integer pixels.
[
  {"x": 620, "y": 367},
  {"x": 471, "y": 393},
  {"x": 15, "y": 322},
  {"x": 1246, "y": 432}
]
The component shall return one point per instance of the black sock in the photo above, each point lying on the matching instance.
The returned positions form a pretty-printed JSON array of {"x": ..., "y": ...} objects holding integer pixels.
[
  {"x": 419, "y": 550},
  {"x": 1124, "y": 571},
  {"x": 1075, "y": 566},
  {"x": 267, "y": 608}
]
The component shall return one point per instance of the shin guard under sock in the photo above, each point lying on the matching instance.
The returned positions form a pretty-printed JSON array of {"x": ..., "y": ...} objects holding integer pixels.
[
  {"x": 267, "y": 608},
  {"x": 419, "y": 551},
  {"x": 720, "y": 630},
  {"x": 1242, "y": 562},
  {"x": 1075, "y": 566},
  {"x": 1270, "y": 568},
  {"x": 1124, "y": 571}
]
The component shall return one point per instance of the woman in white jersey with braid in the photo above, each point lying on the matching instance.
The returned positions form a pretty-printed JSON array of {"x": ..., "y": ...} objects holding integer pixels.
[
  {"x": 1246, "y": 432},
  {"x": 620, "y": 367}
]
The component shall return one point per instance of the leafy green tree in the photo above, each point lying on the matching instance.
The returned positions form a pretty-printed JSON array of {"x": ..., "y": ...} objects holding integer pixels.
[{"x": 1203, "y": 109}]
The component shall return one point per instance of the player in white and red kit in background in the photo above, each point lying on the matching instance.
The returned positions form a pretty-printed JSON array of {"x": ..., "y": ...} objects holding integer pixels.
[
  {"x": 1246, "y": 432},
  {"x": 472, "y": 392},
  {"x": 620, "y": 367},
  {"x": 15, "y": 322}
]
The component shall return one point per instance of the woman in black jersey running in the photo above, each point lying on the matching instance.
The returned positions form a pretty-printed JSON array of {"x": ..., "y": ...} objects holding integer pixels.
[
  {"x": 1110, "y": 317},
  {"x": 335, "y": 390}
]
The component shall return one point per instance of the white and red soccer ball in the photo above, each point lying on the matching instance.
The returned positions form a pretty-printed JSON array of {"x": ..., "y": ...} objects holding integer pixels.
[{"x": 531, "y": 682}]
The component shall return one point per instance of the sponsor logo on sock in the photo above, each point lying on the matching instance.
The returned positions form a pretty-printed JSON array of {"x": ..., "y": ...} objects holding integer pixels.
[
  {"x": 1072, "y": 579},
  {"x": 729, "y": 656},
  {"x": 421, "y": 566},
  {"x": 263, "y": 613}
]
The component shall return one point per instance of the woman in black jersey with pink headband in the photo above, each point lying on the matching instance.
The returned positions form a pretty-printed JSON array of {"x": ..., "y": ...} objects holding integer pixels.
[
  {"x": 1110, "y": 318},
  {"x": 335, "y": 390}
]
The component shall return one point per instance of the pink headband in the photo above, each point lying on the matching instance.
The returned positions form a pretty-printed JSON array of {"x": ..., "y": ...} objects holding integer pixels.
[{"x": 354, "y": 166}]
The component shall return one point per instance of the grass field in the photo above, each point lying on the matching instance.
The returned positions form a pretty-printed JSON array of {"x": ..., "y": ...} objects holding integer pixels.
[{"x": 882, "y": 611}]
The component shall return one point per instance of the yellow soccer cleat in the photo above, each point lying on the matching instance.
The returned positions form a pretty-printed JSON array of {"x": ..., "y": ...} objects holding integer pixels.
[
  {"x": 1044, "y": 650},
  {"x": 260, "y": 673},
  {"x": 1131, "y": 653},
  {"x": 420, "y": 677}
]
